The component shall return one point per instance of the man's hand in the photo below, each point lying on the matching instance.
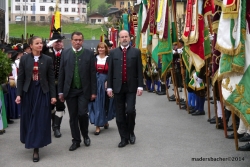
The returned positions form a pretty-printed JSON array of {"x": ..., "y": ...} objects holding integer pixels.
[
  {"x": 110, "y": 93},
  {"x": 18, "y": 100},
  {"x": 139, "y": 92},
  {"x": 93, "y": 96},
  {"x": 53, "y": 101},
  {"x": 61, "y": 97}
]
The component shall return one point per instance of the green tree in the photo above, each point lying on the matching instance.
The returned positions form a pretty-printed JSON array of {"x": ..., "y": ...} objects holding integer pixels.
[
  {"x": 110, "y": 1},
  {"x": 103, "y": 9},
  {"x": 91, "y": 6}
]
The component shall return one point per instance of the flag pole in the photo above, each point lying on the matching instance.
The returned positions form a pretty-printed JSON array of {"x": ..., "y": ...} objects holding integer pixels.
[
  {"x": 235, "y": 131},
  {"x": 208, "y": 70},
  {"x": 208, "y": 92},
  {"x": 215, "y": 104}
]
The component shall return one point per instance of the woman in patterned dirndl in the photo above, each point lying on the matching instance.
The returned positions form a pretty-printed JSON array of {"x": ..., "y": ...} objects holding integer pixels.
[
  {"x": 35, "y": 90},
  {"x": 102, "y": 109}
]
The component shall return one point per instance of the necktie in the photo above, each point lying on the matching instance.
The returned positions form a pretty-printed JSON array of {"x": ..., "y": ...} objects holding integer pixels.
[{"x": 58, "y": 54}]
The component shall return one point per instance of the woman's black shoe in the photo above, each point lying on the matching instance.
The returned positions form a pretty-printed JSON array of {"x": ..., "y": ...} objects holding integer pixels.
[
  {"x": 106, "y": 126},
  {"x": 36, "y": 158},
  {"x": 97, "y": 133}
]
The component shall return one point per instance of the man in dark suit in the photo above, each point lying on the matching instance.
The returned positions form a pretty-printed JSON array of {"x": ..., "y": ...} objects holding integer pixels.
[
  {"x": 125, "y": 80},
  {"x": 77, "y": 85},
  {"x": 54, "y": 49}
]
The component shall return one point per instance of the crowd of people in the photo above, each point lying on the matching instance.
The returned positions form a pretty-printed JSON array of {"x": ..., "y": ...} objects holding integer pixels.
[
  {"x": 194, "y": 101},
  {"x": 96, "y": 88}
]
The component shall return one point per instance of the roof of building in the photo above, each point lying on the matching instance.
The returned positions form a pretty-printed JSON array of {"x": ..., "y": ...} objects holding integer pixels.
[{"x": 96, "y": 15}]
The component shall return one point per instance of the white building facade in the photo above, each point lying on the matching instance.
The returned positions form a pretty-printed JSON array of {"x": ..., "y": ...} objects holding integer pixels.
[{"x": 42, "y": 10}]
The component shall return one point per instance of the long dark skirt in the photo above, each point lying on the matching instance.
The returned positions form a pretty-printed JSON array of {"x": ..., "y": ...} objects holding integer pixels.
[
  {"x": 35, "y": 117},
  {"x": 12, "y": 109},
  {"x": 102, "y": 109}
]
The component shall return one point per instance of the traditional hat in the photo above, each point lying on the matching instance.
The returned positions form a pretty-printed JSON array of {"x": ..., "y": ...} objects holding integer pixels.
[
  {"x": 108, "y": 43},
  {"x": 57, "y": 35},
  {"x": 8, "y": 48},
  {"x": 17, "y": 48},
  {"x": 25, "y": 46}
]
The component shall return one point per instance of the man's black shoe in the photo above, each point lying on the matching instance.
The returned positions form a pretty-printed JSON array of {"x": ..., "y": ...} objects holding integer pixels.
[
  {"x": 57, "y": 133},
  {"x": 246, "y": 147},
  {"x": 192, "y": 111},
  {"x": 10, "y": 121},
  {"x": 123, "y": 143},
  {"x": 74, "y": 146},
  {"x": 214, "y": 118},
  {"x": 245, "y": 138},
  {"x": 132, "y": 138},
  {"x": 172, "y": 99},
  {"x": 231, "y": 128},
  {"x": 87, "y": 141},
  {"x": 184, "y": 107},
  {"x": 198, "y": 113},
  {"x": 183, "y": 102},
  {"x": 232, "y": 135}
]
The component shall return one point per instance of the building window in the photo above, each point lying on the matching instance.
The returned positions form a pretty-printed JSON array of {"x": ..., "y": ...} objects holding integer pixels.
[
  {"x": 32, "y": 0},
  {"x": 24, "y": 0},
  {"x": 93, "y": 20},
  {"x": 51, "y": 9},
  {"x": 44, "y": 0},
  {"x": 33, "y": 8},
  {"x": 33, "y": 18},
  {"x": 17, "y": 7},
  {"x": 121, "y": 3},
  {"x": 66, "y": 9},
  {"x": 60, "y": 1},
  {"x": 99, "y": 20},
  {"x": 83, "y": 10},
  {"x": 73, "y": 1},
  {"x": 66, "y": 1},
  {"x": 42, "y": 18},
  {"x": 79, "y": 1},
  {"x": 73, "y": 9},
  {"x": 25, "y": 8},
  {"x": 42, "y": 8},
  {"x": 72, "y": 18},
  {"x": 60, "y": 9},
  {"x": 17, "y": 0}
]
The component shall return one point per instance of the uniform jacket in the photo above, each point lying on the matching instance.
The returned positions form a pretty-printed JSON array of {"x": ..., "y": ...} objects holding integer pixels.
[
  {"x": 87, "y": 72},
  {"x": 45, "y": 72},
  {"x": 134, "y": 69}
]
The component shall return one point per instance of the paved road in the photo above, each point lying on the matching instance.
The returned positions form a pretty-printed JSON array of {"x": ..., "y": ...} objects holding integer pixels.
[{"x": 166, "y": 136}]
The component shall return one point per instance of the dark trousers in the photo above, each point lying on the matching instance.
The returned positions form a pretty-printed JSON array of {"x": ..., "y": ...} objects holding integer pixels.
[
  {"x": 125, "y": 111},
  {"x": 78, "y": 113}
]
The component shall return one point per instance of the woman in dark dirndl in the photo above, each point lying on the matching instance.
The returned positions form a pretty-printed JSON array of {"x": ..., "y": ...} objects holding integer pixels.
[
  {"x": 35, "y": 91},
  {"x": 102, "y": 109},
  {"x": 13, "y": 109}
]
